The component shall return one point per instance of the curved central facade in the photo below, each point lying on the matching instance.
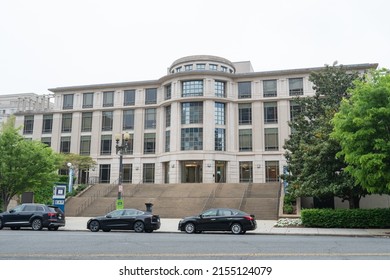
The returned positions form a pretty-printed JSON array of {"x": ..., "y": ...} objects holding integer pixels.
[{"x": 208, "y": 120}]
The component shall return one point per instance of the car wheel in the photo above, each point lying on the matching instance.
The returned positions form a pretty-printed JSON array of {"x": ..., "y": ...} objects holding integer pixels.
[
  {"x": 190, "y": 228},
  {"x": 94, "y": 226},
  {"x": 139, "y": 226},
  {"x": 236, "y": 228},
  {"x": 37, "y": 224},
  {"x": 1, "y": 224}
]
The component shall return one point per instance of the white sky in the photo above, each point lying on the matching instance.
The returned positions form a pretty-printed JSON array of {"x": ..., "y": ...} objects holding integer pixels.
[{"x": 50, "y": 43}]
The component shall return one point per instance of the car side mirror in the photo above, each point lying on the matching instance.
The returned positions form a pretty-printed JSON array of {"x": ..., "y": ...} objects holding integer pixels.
[
  {"x": 12, "y": 211},
  {"x": 108, "y": 216},
  {"x": 201, "y": 216}
]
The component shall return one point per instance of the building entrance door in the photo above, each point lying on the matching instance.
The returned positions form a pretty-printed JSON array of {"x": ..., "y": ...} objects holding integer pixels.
[
  {"x": 191, "y": 172},
  {"x": 220, "y": 171}
]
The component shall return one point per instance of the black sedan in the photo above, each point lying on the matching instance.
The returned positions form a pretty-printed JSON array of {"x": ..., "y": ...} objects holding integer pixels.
[
  {"x": 219, "y": 219},
  {"x": 125, "y": 219}
]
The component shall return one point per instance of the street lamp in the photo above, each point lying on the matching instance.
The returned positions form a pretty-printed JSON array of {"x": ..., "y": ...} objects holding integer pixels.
[
  {"x": 120, "y": 149},
  {"x": 70, "y": 186}
]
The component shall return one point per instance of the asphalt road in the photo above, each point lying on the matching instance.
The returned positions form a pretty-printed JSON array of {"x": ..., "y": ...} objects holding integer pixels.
[{"x": 67, "y": 245}]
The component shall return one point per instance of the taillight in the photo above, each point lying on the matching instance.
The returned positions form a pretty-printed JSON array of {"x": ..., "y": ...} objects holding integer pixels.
[
  {"x": 51, "y": 215},
  {"x": 249, "y": 218}
]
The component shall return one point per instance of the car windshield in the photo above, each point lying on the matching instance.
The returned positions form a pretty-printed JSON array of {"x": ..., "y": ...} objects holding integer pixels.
[{"x": 115, "y": 213}]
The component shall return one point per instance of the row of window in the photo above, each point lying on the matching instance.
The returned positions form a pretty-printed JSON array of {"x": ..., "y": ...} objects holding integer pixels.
[
  {"x": 202, "y": 66},
  {"x": 189, "y": 88},
  {"x": 148, "y": 172},
  {"x": 190, "y": 139},
  {"x": 191, "y": 113}
]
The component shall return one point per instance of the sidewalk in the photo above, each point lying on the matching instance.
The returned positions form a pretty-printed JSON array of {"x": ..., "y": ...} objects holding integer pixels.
[{"x": 263, "y": 227}]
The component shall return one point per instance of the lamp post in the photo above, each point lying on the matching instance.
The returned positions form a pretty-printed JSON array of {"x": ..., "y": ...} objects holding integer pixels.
[
  {"x": 120, "y": 148},
  {"x": 70, "y": 186}
]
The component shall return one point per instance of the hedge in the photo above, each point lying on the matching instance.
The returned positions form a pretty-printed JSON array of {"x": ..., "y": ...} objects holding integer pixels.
[{"x": 346, "y": 218}]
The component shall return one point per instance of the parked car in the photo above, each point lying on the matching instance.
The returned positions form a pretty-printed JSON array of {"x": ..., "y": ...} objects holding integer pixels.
[
  {"x": 125, "y": 219},
  {"x": 36, "y": 216},
  {"x": 219, "y": 219}
]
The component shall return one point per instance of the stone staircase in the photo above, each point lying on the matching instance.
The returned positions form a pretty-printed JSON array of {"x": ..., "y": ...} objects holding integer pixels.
[{"x": 179, "y": 200}]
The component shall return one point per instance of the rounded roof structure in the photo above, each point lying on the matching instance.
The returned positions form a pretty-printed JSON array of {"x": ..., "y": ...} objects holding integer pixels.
[{"x": 200, "y": 58}]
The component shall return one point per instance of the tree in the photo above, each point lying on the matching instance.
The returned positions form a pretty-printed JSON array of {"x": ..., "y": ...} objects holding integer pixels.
[
  {"x": 24, "y": 165},
  {"x": 79, "y": 162},
  {"x": 363, "y": 129},
  {"x": 314, "y": 169}
]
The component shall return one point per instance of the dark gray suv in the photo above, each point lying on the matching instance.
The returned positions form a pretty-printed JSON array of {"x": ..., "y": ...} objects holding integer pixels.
[{"x": 36, "y": 216}]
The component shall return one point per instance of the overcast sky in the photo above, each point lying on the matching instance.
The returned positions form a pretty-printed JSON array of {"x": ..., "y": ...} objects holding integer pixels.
[{"x": 50, "y": 43}]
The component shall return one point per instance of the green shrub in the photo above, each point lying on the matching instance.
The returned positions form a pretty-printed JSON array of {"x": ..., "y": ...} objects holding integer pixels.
[{"x": 346, "y": 218}]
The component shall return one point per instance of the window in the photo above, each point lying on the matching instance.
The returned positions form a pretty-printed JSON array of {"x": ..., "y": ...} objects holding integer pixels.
[
  {"x": 191, "y": 138},
  {"x": 128, "y": 119},
  {"x": 127, "y": 173},
  {"x": 107, "y": 120},
  {"x": 244, "y": 90},
  {"x": 271, "y": 139},
  {"x": 295, "y": 109},
  {"x": 192, "y": 88},
  {"x": 219, "y": 139},
  {"x": 151, "y": 96},
  {"x": 148, "y": 173},
  {"x": 129, "y": 146},
  {"x": 270, "y": 112},
  {"x": 168, "y": 116},
  {"x": 108, "y": 99},
  {"x": 68, "y": 101},
  {"x": 245, "y": 113},
  {"x": 200, "y": 66},
  {"x": 149, "y": 143},
  {"x": 213, "y": 67},
  {"x": 188, "y": 67},
  {"x": 47, "y": 124},
  {"x": 219, "y": 113},
  {"x": 86, "y": 121},
  {"x": 150, "y": 118},
  {"x": 105, "y": 145},
  {"x": 65, "y": 145},
  {"x": 269, "y": 88},
  {"x": 219, "y": 88},
  {"x": 167, "y": 92},
  {"x": 246, "y": 171},
  {"x": 66, "y": 122},
  {"x": 224, "y": 69},
  {"x": 178, "y": 69},
  {"x": 85, "y": 145},
  {"x": 28, "y": 126},
  {"x": 245, "y": 140},
  {"x": 295, "y": 86},
  {"x": 272, "y": 171},
  {"x": 129, "y": 97},
  {"x": 88, "y": 100},
  {"x": 191, "y": 112},
  {"x": 46, "y": 141},
  {"x": 167, "y": 140},
  {"x": 104, "y": 173}
]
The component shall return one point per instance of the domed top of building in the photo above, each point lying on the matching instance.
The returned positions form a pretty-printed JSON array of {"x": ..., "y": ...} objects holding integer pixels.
[{"x": 202, "y": 62}]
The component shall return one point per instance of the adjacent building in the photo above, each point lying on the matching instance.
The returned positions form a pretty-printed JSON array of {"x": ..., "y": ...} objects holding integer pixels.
[{"x": 208, "y": 120}]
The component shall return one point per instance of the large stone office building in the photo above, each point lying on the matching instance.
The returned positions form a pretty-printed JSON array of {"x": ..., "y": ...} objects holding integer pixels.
[{"x": 208, "y": 120}]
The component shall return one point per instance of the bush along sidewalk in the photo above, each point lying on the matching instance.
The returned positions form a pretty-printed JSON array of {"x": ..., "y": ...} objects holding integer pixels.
[{"x": 346, "y": 218}]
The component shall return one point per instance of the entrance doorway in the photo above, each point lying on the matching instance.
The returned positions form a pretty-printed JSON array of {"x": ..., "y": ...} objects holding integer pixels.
[
  {"x": 191, "y": 171},
  {"x": 220, "y": 171}
]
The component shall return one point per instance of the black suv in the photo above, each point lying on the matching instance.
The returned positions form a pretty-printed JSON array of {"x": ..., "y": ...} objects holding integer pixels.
[{"x": 33, "y": 215}]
